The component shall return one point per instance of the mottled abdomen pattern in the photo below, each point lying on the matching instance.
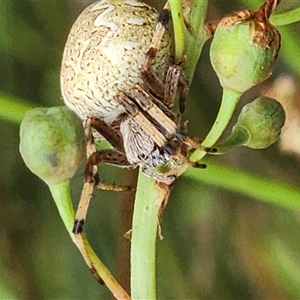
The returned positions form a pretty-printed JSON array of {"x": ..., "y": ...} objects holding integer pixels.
[{"x": 102, "y": 55}]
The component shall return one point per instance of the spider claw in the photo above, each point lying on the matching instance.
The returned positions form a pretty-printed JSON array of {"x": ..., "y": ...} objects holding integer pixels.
[
  {"x": 96, "y": 179},
  {"x": 164, "y": 17},
  {"x": 198, "y": 165},
  {"x": 89, "y": 177},
  {"x": 211, "y": 149},
  {"x": 78, "y": 226}
]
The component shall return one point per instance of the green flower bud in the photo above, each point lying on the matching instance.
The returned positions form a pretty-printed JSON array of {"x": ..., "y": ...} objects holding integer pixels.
[
  {"x": 244, "y": 48},
  {"x": 259, "y": 125},
  {"x": 263, "y": 120},
  {"x": 52, "y": 143}
]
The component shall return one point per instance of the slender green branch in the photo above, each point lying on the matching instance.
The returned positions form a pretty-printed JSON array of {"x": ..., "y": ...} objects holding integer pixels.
[
  {"x": 143, "y": 244},
  {"x": 238, "y": 137},
  {"x": 61, "y": 195},
  {"x": 179, "y": 34},
  {"x": 13, "y": 109},
  {"x": 228, "y": 105},
  {"x": 144, "y": 229},
  {"x": 253, "y": 185},
  {"x": 195, "y": 39},
  {"x": 277, "y": 19},
  {"x": 286, "y": 18}
]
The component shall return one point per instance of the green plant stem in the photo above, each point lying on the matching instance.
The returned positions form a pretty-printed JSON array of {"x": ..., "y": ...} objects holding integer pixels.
[
  {"x": 13, "y": 109},
  {"x": 276, "y": 19},
  {"x": 179, "y": 34},
  {"x": 264, "y": 189},
  {"x": 61, "y": 195},
  {"x": 196, "y": 39},
  {"x": 228, "y": 105},
  {"x": 238, "y": 137},
  {"x": 286, "y": 265},
  {"x": 143, "y": 243},
  {"x": 286, "y": 18},
  {"x": 144, "y": 229}
]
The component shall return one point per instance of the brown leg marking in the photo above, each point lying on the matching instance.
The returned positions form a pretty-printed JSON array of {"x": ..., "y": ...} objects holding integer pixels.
[{"x": 91, "y": 180}]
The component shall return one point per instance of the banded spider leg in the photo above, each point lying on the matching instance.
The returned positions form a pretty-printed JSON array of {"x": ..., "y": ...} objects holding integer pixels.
[
  {"x": 175, "y": 81},
  {"x": 91, "y": 178},
  {"x": 148, "y": 134}
]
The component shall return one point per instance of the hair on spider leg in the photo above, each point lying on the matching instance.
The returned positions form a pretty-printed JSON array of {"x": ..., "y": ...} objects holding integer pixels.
[{"x": 114, "y": 187}]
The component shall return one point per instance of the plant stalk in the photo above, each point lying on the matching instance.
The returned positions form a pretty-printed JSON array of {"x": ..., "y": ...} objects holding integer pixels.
[
  {"x": 61, "y": 195},
  {"x": 149, "y": 195}
]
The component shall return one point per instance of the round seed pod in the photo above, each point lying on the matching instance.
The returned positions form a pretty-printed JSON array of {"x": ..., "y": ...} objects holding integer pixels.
[
  {"x": 244, "y": 48},
  {"x": 52, "y": 143},
  {"x": 262, "y": 121}
]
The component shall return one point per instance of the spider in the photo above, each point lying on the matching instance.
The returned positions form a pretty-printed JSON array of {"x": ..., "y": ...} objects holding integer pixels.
[{"x": 107, "y": 79}]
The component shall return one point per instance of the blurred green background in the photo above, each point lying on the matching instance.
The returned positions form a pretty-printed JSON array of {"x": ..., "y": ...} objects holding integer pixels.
[{"x": 220, "y": 242}]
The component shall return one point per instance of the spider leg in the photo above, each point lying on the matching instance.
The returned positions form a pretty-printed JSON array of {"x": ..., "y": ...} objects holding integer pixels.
[
  {"x": 104, "y": 156},
  {"x": 175, "y": 80},
  {"x": 191, "y": 143},
  {"x": 157, "y": 124},
  {"x": 195, "y": 143},
  {"x": 90, "y": 146},
  {"x": 168, "y": 112},
  {"x": 94, "y": 158},
  {"x": 154, "y": 83},
  {"x": 84, "y": 203},
  {"x": 133, "y": 111},
  {"x": 91, "y": 180},
  {"x": 110, "y": 132},
  {"x": 88, "y": 187},
  {"x": 158, "y": 120},
  {"x": 144, "y": 100}
]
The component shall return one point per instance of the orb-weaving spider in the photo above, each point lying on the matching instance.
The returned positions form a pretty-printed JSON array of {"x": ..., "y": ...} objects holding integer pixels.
[{"x": 107, "y": 79}]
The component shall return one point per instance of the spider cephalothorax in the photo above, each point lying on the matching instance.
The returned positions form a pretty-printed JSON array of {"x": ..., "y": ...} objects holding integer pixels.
[{"x": 117, "y": 72}]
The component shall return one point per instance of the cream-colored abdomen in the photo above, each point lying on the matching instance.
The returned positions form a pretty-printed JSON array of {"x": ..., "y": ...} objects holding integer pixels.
[{"x": 102, "y": 55}]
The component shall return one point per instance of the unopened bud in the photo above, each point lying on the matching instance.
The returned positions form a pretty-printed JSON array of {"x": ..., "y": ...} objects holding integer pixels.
[
  {"x": 263, "y": 120},
  {"x": 259, "y": 125},
  {"x": 244, "y": 48},
  {"x": 52, "y": 143}
]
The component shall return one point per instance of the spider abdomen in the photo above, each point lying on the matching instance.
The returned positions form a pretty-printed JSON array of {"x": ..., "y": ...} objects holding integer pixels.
[{"x": 102, "y": 55}]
